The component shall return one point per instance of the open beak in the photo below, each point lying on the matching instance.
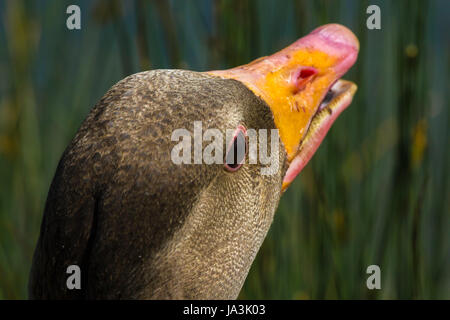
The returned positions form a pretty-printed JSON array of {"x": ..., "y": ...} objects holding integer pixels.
[{"x": 301, "y": 86}]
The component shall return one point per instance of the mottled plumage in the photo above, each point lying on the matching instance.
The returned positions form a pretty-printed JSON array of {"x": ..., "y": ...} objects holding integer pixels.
[{"x": 140, "y": 226}]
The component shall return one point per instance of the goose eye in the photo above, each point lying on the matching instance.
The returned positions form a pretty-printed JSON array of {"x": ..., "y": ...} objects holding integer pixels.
[{"x": 237, "y": 150}]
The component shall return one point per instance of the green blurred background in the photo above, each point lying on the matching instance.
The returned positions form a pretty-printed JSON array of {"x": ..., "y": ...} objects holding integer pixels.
[{"x": 376, "y": 192}]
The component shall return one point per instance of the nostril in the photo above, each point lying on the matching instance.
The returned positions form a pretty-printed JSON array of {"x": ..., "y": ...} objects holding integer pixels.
[
  {"x": 302, "y": 77},
  {"x": 306, "y": 73}
]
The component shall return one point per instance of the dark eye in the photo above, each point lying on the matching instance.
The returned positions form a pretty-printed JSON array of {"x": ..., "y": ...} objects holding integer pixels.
[{"x": 235, "y": 157}]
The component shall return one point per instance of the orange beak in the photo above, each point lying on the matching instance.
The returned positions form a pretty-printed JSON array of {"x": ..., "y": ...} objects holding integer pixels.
[{"x": 301, "y": 86}]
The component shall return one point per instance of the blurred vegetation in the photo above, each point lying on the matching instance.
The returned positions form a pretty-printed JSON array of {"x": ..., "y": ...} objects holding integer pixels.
[{"x": 376, "y": 192}]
